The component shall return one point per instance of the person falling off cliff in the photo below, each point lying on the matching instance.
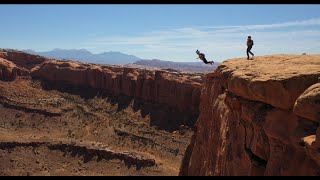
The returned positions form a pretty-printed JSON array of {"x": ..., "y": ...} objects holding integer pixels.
[
  {"x": 203, "y": 58},
  {"x": 249, "y": 44}
]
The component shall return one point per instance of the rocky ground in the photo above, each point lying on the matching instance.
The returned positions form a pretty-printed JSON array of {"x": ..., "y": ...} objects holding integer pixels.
[
  {"x": 259, "y": 117},
  {"x": 249, "y": 117},
  {"x": 45, "y": 131}
]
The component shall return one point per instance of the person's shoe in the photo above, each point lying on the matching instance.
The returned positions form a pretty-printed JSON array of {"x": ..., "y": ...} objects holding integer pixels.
[{"x": 247, "y": 58}]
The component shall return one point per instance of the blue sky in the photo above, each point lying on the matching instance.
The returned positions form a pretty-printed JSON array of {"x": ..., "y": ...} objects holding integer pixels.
[{"x": 168, "y": 32}]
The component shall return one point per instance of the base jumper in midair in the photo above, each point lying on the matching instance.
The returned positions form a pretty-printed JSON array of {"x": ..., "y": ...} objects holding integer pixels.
[{"x": 203, "y": 58}]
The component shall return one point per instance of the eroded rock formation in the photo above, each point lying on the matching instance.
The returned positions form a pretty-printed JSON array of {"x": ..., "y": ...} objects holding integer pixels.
[
  {"x": 258, "y": 117},
  {"x": 181, "y": 92},
  {"x": 22, "y": 59},
  {"x": 9, "y": 71}
]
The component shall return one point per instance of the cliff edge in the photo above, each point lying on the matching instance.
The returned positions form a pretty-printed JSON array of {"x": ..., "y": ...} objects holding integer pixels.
[{"x": 258, "y": 117}]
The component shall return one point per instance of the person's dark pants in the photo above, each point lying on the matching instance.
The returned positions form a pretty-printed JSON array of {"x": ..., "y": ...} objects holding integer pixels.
[
  {"x": 205, "y": 61},
  {"x": 249, "y": 51}
]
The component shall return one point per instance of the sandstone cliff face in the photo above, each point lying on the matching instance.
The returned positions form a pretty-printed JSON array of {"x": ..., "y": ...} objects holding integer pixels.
[
  {"x": 9, "y": 71},
  {"x": 22, "y": 59},
  {"x": 258, "y": 117},
  {"x": 308, "y": 104},
  {"x": 181, "y": 92}
]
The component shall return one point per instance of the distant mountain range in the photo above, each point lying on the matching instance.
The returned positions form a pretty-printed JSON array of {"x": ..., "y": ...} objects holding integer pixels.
[
  {"x": 191, "y": 67},
  {"x": 118, "y": 58},
  {"x": 83, "y": 55}
]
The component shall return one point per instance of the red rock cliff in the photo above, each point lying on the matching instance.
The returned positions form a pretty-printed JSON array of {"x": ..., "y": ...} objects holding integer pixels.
[
  {"x": 181, "y": 92},
  {"x": 22, "y": 59},
  {"x": 259, "y": 117},
  {"x": 9, "y": 71}
]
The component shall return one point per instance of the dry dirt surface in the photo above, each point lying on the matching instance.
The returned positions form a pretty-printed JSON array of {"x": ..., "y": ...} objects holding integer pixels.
[{"x": 46, "y": 130}]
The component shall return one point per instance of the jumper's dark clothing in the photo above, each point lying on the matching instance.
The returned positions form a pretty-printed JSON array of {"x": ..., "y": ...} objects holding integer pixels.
[
  {"x": 249, "y": 44},
  {"x": 249, "y": 51},
  {"x": 202, "y": 57}
]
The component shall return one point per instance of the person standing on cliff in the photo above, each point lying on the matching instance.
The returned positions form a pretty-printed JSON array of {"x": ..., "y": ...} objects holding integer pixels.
[
  {"x": 249, "y": 44},
  {"x": 203, "y": 58}
]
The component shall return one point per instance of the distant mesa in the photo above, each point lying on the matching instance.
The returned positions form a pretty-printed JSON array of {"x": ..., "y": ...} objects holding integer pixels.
[{"x": 83, "y": 55}]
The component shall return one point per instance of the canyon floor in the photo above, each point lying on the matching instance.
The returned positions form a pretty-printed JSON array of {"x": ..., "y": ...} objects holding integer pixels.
[{"x": 72, "y": 131}]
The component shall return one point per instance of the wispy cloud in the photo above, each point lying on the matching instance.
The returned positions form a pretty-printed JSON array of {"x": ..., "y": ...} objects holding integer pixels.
[
  {"x": 309, "y": 22},
  {"x": 221, "y": 42}
]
